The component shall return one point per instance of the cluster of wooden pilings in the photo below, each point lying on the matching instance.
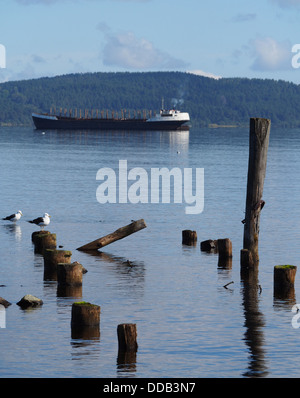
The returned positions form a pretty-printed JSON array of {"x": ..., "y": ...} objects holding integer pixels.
[
  {"x": 85, "y": 317},
  {"x": 284, "y": 275},
  {"x": 102, "y": 114}
]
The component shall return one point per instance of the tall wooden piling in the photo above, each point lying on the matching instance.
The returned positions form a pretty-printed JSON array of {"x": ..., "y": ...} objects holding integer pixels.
[{"x": 258, "y": 149}]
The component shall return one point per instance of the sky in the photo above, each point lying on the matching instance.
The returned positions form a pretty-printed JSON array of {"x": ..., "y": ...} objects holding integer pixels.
[{"x": 215, "y": 38}]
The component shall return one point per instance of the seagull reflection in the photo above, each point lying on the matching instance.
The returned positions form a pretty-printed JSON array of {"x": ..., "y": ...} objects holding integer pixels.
[{"x": 14, "y": 229}]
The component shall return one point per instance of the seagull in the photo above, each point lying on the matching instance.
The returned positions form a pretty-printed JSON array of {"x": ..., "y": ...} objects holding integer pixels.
[
  {"x": 14, "y": 217},
  {"x": 41, "y": 221}
]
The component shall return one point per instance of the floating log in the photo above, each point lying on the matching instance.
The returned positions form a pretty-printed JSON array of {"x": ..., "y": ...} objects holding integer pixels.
[
  {"x": 209, "y": 246},
  {"x": 189, "y": 237},
  {"x": 120, "y": 233},
  {"x": 85, "y": 314},
  {"x": 127, "y": 337},
  {"x": 284, "y": 279},
  {"x": 257, "y": 163}
]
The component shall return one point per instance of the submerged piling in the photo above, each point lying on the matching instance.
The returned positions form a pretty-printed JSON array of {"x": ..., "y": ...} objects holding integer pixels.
[
  {"x": 127, "y": 337},
  {"x": 258, "y": 149},
  {"x": 284, "y": 279},
  {"x": 85, "y": 321},
  {"x": 85, "y": 314},
  {"x": 189, "y": 237},
  {"x": 52, "y": 257},
  {"x": 43, "y": 240},
  {"x": 69, "y": 274},
  {"x": 225, "y": 253}
]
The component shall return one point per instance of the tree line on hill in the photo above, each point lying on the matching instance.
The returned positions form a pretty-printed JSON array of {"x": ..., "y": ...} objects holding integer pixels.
[{"x": 227, "y": 101}]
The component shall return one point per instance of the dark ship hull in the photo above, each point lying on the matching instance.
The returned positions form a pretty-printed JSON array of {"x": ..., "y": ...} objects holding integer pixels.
[{"x": 49, "y": 122}]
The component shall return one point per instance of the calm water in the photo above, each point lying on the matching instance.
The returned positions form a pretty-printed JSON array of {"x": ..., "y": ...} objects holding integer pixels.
[{"x": 188, "y": 324}]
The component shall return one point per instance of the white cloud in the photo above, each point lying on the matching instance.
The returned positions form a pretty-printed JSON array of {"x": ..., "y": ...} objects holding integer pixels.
[
  {"x": 199, "y": 72},
  {"x": 270, "y": 54},
  {"x": 127, "y": 51}
]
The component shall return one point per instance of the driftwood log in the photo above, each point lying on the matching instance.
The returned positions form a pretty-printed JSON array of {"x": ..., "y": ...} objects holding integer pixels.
[{"x": 120, "y": 233}]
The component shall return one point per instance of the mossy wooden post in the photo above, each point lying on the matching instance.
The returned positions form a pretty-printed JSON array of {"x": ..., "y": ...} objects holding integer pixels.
[
  {"x": 51, "y": 259},
  {"x": 127, "y": 337},
  {"x": 189, "y": 237},
  {"x": 85, "y": 314},
  {"x": 36, "y": 233},
  {"x": 257, "y": 163},
  {"x": 284, "y": 279},
  {"x": 43, "y": 240}
]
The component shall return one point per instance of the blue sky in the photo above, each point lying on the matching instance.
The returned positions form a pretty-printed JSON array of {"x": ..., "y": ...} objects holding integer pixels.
[{"x": 232, "y": 38}]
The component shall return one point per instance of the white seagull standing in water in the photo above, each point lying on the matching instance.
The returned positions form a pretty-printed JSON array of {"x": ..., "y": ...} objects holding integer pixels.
[
  {"x": 41, "y": 221},
  {"x": 14, "y": 217}
]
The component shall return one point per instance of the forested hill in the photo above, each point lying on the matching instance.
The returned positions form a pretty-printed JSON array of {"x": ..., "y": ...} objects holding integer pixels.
[{"x": 223, "y": 102}]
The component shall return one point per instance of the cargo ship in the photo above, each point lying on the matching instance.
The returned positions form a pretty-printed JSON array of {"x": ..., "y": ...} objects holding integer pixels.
[{"x": 165, "y": 120}]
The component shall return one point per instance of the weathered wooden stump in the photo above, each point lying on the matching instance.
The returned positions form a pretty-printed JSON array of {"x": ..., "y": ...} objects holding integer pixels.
[
  {"x": 284, "y": 279},
  {"x": 257, "y": 163},
  {"x": 224, "y": 248},
  {"x": 225, "y": 263},
  {"x": 43, "y": 240},
  {"x": 127, "y": 337},
  {"x": 36, "y": 233},
  {"x": 85, "y": 314},
  {"x": 54, "y": 257},
  {"x": 69, "y": 274},
  {"x": 209, "y": 245},
  {"x": 51, "y": 259},
  {"x": 189, "y": 237}
]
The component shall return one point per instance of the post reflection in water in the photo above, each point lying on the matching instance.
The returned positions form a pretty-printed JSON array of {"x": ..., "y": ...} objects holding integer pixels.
[
  {"x": 254, "y": 324},
  {"x": 126, "y": 362}
]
